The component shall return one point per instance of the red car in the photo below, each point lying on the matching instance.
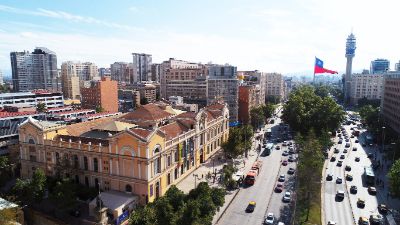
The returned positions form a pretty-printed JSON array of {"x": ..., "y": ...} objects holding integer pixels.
[
  {"x": 284, "y": 163},
  {"x": 279, "y": 188}
]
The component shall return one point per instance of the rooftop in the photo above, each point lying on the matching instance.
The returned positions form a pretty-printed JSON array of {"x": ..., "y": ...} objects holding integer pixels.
[
  {"x": 148, "y": 112},
  {"x": 173, "y": 130},
  {"x": 15, "y": 114}
]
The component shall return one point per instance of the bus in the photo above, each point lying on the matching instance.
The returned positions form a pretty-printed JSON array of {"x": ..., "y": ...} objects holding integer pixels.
[
  {"x": 268, "y": 148},
  {"x": 268, "y": 132},
  {"x": 369, "y": 175}
]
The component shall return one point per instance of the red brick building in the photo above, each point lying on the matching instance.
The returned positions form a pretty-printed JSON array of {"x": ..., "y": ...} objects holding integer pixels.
[
  {"x": 247, "y": 100},
  {"x": 102, "y": 93}
]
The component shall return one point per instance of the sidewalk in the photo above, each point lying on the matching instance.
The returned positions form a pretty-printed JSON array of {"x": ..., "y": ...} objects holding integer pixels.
[{"x": 215, "y": 164}]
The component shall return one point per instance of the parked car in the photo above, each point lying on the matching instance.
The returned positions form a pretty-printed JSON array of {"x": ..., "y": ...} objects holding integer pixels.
[
  {"x": 251, "y": 206},
  {"x": 342, "y": 157},
  {"x": 284, "y": 163},
  {"x": 349, "y": 177},
  {"x": 348, "y": 168},
  {"x": 339, "y": 195},
  {"x": 354, "y": 148},
  {"x": 333, "y": 159},
  {"x": 270, "y": 219},
  {"x": 281, "y": 178},
  {"x": 382, "y": 208},
  {"x": 336, "y": 150},
  {"x": 363, "y": 221},
  {"x": 345, "y": 150},
  {"x": 372, "y": 190},
  {"x": 286, "y": 197},
  {"x": 376, "y": 219},
  {"x": 353, "y": 189},
  {"x": 279, "y": 188},
  {"x": 285, "y": 153},
  {"x": 357, "y": 159},
  {"x": 339, "y": 180},
  {"x": 291, "y": 171},
  {"x": 329, "y": 177},
  {"x": 339, "y": 163}
]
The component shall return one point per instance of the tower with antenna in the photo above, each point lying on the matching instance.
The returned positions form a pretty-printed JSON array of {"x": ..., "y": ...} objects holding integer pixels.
[{"x": 350, "y": 53}]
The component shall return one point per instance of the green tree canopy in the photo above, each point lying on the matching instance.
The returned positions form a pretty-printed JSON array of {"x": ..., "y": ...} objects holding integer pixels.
[
  {"x": 268, "y": 110},
  {"x": 41, "y": 107},
  {"x": 31, "y": 190},
  {"x": 257, "y": 117},
  {"x": 394, "y": 178}
]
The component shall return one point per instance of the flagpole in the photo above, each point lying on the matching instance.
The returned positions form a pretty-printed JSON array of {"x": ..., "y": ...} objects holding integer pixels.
[{"x": 314, "y": 71}]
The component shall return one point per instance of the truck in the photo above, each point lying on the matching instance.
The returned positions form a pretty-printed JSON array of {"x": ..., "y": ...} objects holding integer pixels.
[{"x": 253, "y": 173}]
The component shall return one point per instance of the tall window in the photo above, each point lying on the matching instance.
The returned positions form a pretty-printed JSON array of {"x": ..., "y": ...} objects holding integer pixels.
[
  {"x": 87, "y": 181},
  {"x": 157, "y": 165},
  {"x": 85, "y": 163},
  {"x": 76, "y": 162},
  {"x": 95, "y": 165},
  {"x": 128, "y": 188},
  {"x": 57, "y": 158}
]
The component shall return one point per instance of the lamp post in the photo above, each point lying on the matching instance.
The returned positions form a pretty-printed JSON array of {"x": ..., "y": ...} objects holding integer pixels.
[{"x": 383, "y": 139}]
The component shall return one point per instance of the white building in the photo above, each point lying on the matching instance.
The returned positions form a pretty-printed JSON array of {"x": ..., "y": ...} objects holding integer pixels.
[
  {"x": 369, "y": 86},
  {"x": 31, "y": 99},
  {"x": 275, "y": 86},
  {"x": 72, "y": 72}
]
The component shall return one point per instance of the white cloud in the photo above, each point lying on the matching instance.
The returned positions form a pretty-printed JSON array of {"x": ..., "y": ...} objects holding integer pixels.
[{"x": 133, "y": 9}]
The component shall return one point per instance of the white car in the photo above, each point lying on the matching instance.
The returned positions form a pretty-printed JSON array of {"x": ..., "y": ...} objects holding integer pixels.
[
  {"x": 286, "y": 197},
  {"x": 270, "y": 219},
  {"x": 330, "y": 222},
  {"x": 281, "y": 178}
]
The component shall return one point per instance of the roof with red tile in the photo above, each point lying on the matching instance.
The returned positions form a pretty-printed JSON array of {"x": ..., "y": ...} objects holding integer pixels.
[
  {"x": 15, "y": 114},
  {"x": 218, "y": 106},
  {"x": 149, "y": 112},
  {"x": 143, "y": 133},
  {"x": 173, "y": 130},
  {"x": 79, "y": 128}
]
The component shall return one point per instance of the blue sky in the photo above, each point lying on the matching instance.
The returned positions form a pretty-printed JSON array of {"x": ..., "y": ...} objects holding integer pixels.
[{"x": 271, "y": 36}]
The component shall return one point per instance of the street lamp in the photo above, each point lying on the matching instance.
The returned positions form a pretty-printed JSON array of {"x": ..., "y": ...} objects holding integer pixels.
[{"x": 383, "y": 139}]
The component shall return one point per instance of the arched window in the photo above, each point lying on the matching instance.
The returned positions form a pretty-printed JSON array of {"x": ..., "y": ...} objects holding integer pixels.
[
  {"x": 31, "y": 141},
  {"x": 128, "y": 188},
  {"x": 95, "y": 165},
  {"x": 85, "y": 163}
]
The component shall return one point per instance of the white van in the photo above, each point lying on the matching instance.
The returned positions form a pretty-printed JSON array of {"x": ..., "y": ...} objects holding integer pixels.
[{"x": 281, "y": 223}]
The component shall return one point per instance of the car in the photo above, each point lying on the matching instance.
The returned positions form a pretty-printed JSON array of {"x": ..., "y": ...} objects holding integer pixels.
[
  {"x": 329, "y": 177},
  {"x": 376, "y": 219},
  {"x": 354, "y": 148},
  {"x": 284, "y": 163},
  {"x": 356, "y": 141},
  {"x": 291, "y": 150},
  {"x": 342, "y": 157},
  {"x": 351, "y": 128},
  {"x": 382, "y": 208},
  {"x": 284, "y": 143},
  {"x": 339, "y": 195},
  {"x": 353, "y": 189},
  {"x": 336, "y": 150},
  {"x": 251, "y": 206},
  {"x": 278, "y": 147},
  {"x": 372, "y": 190},
  {"x": 279, "y": 188},
  {"x": 360, "y": 203},
  {"x": 290, "y": 143},
  {"x": 291, "y": 159},
  {"x": 348, "y": 168},
  {"x": 349, "y": 177},
  {"x": 345, "y": 150},
  {"x": 370, "y": 155},
  {"x": 330, "y": 222},
  {"x": 291, "y": 171},
  {"x": 339, "y": 135},
  {"x": 340, "y": 142},
  {"x": 270, "y": 219},
  {"x": 347, "y": 145},
  {"x": 285, "y": 153},
  {"x": 281, "y": 178},
  {"x": 339, "y": 163},
  {"x": 352, "y": 136},
  {"x": 286, "y": 197},
  {"x": 363, "y": 221},
  {"x": 339, "y": 180},
  {"x": 357, "y": 159},
  {"x": 364, "y": 145},
  {"x": 333, "y": 158}
]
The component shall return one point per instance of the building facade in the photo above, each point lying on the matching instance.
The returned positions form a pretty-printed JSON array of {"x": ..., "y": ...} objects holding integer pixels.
[
  {"x": 350, "y": 53},
  {"x": 74, "y": 72},
  {"x": 34, "y": 70},
  {"x": 141, "y": 67},
  {"x": 128, "y": 100},
  {"x": 255, "y": 78},
  {"x": 122, "y": 72},
  {"x": 156, "y": 72},
  {"x": 391, "y": 101},
  {"x": 31, "y": 99},
  {"x": 275, "y": 86},
  {"x": 223, "y": 84},
  {"x": 379, "y": 66},
  {"x": 103, "y": 93},
  {"x": 116, "y": 154},
  {"x": 248, "y": 99},
  {"x": 186, "y": 79},
  {"x": 368, "y": 86}
]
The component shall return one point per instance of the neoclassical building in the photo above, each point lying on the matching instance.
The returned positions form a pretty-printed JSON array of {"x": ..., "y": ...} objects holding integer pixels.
[{"x": 115, "y": 153}]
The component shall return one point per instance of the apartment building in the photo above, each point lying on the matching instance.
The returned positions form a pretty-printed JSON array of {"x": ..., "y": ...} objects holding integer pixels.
[
  {"x": 368, "y": 86},
  {"x": 103, "y": 93},
  {"x": 34, "y": 70},
  {"x": 118, "y": 154},
  {"x": 248, "y": 99},
  {"x": 391, "y": 100},
  {"x": 141, "y": 67},
  {"x": 255, "y": 78},
  {"x": 223, "y": 84},
  {"x": 186, "y": 79},
  {"x": 128, "y": 100},
  {"x": 122, "y": 72},
  {"x": 74, "y": 72},
  {"x": 275, "y": 86}
]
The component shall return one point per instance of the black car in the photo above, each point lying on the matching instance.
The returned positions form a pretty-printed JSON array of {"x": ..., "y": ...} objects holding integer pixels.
[
  {"x": 333, "y": 159},
  {"x": 339, "y": 163},
  {"x": 357, "y": 159},
  {"x": 353, "y": 189},
  {"x": 348, "y": 168},
  {"x": 329, "y": 177},
  {"x": 336, "y": 150},
  {"x": 290, "y": 171},
  {"x": 356, "y": 141},
  {"x": 370, "y": 155}
]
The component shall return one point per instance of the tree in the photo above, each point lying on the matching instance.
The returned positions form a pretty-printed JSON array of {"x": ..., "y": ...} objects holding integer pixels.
[
  {"x": 144, "y": 101},
  {"x": 99, "y": 109},
  {"x": 257, "y": 117},
  {"x": 394, "y": 178},
  {"x": 176, "y": 197},
  {"x": 64, "y": 194},
  {"x": 31, "y": 190},
  {"x": 232, "y": 146},
  {"x": 322, "y": 91},
  {"x": 227, "y": 172},
  {"x": 41, "y": 107},
  {"x": 143, "y": 216},
  {"x": 268, "y": 110},
  {"x": 246, "y": 136},
  {"x": 364, "y": 101},
  {"x": 272, "y": 99}
]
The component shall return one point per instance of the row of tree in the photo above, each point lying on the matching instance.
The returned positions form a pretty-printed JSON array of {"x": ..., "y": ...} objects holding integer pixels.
[
  {"x": 260, "y": 114},
  {"x": 196, "y": 208},
  {"x": 239, "y": 141}
]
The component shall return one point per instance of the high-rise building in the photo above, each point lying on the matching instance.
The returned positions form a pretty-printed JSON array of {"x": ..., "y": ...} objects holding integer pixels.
[
  {"x": 397, "y": 66},
  {"x": 122, "y": 72},
  {"x": 391, "y": 100},
  {"x": 104, "y": 72},
  {"x": 380, "y": 66},
  {"x": 36, "y": 70},
  {"x": 71, "y": 75},
  {"x": 155, "y": 72},
  {"x": 350, "y": 53},
  {"x": 223, "y": 84},
  {"x": 141, "y": 67},
  {"x": 186, "y": 79},
  {"x": 368, "y": 86},
  {"x": 275, "y": 89},
  {"x": 103, "y": 93}
]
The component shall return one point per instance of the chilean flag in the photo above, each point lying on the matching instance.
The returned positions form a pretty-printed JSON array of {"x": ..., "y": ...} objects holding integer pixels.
[{"x": 319, "y": 67}]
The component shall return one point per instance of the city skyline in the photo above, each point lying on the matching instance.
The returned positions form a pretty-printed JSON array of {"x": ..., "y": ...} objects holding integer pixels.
[{"x": 272, "y": 37}]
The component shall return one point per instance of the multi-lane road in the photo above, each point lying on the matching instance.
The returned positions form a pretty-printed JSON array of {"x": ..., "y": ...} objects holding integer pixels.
[
  {"x": 347, "y": 211},
  {"x": 262, "y": 192}
]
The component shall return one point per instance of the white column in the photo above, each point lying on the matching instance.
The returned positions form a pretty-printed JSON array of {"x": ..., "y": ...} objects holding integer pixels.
[
  {"x": 111, "y": 166},
  {"x": 140, "y": 169},
  {"x": 99, "y": 165},
  {"x": 117, "y": 166}
]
